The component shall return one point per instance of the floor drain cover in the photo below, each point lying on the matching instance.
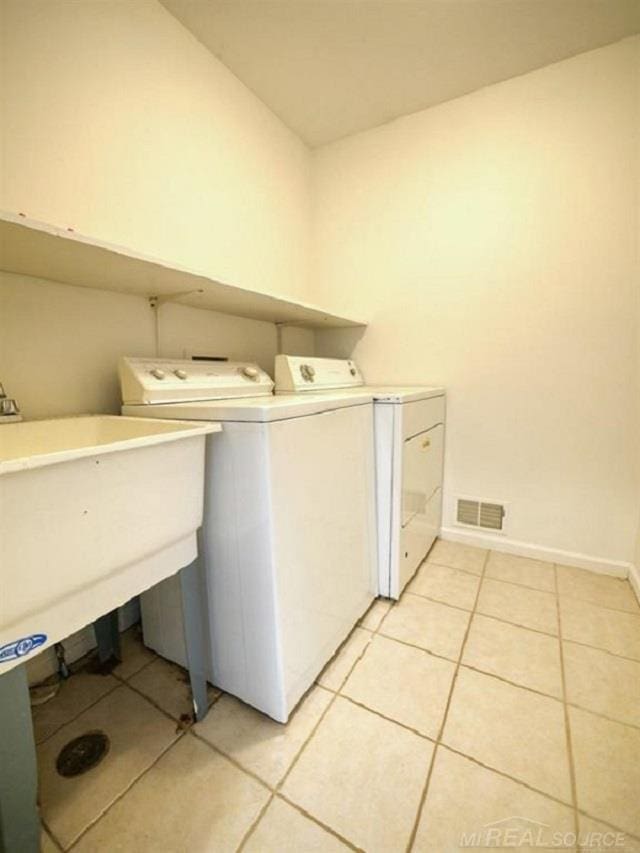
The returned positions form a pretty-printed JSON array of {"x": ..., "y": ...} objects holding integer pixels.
[{"x": 82, "y": 753}]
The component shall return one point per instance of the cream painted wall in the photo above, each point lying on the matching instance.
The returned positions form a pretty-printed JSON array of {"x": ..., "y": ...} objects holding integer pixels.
[
  {"x": 118, "y": 123},
  {"x": 492, "y": 242},
  {"x": 59, "y": 345}
]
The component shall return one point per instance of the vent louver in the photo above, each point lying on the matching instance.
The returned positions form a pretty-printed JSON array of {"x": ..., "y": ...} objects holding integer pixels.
[{"x": 489, "y": 516}]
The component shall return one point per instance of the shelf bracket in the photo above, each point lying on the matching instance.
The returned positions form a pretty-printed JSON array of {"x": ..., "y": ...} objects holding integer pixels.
[{"x": 157, "y": 301}]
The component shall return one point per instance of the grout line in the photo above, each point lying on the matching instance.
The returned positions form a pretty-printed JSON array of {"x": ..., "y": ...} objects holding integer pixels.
[
  {"x": 567, "y": 722},
  {"x": 276, "y": 789},
  {"x": 254, "y": 823},
  {"x": 601, "y": 649},
  {"x": 335, "y": 657},
  {"x": 123, "y": 793},
  {"x": 519, "y": 586},
  {"x": 127, "y": 679},
  {"x": 588, "y": 601},
  {"x": 428, "y": 562},
  {"x": 404, "y": 726},
  {"x": 232, "y": 760},
  {"x": 480, "y": 671},
  {"x": 436, "y": 601},
  {"x": 504, "y": 775},
  {"x": 315, "y": 820},
  {"x": 515, "y": 624},
  {"x": 425, "y": 789},
  {"x": 155, "y": 705},
  {"x": 75, "y": 716},
  {"x": 626, "y": 832},
  {"x": 52, "y": 835},
  {"x": 573, "y": 596},
  {"x": 510, "y": 682},
  {"x": 419, "y": 648},
  {"x": 603, "y": 716}
]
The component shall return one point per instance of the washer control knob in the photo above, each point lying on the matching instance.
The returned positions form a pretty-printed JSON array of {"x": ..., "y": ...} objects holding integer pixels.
[
  {"x": 307, "y": 372},
  {"x": 250, "y": 372},
  {"x": 158, "y": 373},
  {"x": 180, "y": 373}
]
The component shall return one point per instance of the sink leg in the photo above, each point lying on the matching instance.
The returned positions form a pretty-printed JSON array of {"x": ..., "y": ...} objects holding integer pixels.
[
  {"x": 108, "y": 637},
  {"x": 192, "y": 588},
  {"x": 19, "y": 820}
]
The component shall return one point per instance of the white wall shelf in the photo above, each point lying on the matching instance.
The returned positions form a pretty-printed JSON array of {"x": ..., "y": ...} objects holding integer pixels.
[{"x": 32, "y": 248}]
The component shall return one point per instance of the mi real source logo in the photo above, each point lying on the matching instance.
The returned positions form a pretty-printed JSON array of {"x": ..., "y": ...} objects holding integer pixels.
[
  {"x": 514, "y": 832},
  {"x": 21, "y": 648}
]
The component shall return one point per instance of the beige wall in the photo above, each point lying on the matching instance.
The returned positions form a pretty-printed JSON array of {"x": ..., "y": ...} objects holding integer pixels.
[
  {"x": 118, "y": 123},
  {"x": 491, "y": 241},
  {"x": 59, "y": 345}
]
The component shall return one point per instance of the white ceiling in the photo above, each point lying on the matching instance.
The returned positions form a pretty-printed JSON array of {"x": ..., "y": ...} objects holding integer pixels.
[{"x": 330, "y": 68}]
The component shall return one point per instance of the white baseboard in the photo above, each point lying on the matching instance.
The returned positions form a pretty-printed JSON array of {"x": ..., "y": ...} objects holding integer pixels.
[
  {"x": 634, "y": 579},
  {"x": 617, "y": 568}
]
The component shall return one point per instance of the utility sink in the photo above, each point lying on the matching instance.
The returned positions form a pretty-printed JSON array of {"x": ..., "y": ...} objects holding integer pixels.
[{"x": 93, "y": 510}]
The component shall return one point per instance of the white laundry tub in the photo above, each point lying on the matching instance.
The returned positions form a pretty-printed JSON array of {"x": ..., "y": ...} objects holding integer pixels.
[{"x": 93, "y": 510}]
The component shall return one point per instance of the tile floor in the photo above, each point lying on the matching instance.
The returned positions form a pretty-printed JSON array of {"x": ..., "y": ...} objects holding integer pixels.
[{"x": 498, "y": 703}]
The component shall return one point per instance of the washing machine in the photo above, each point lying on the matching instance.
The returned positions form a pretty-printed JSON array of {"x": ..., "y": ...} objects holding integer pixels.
[
  {"x": 409, "y": 425},
  {"x": 288, "y": 537}
]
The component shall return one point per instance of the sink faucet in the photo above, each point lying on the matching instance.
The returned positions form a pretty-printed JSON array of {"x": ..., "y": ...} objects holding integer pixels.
[{"x": 9, "y": 411}]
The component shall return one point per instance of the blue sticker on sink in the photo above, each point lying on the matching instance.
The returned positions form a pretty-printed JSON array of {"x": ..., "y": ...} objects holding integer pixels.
[{"x": 22, "y": 647}]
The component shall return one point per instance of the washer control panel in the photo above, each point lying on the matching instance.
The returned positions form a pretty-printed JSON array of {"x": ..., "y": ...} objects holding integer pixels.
[
  {"x": 300, "y": 373},
  {"x": 164, "y": 380}
]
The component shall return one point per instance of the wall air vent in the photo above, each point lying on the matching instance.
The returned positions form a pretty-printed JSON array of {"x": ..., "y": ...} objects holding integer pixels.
[{"x": 488, "y": 516}]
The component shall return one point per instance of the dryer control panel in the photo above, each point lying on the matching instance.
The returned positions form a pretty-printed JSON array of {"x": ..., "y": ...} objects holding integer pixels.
[
  {"x": 176, "y": 380},
  {"x": 297, "y": 373}
]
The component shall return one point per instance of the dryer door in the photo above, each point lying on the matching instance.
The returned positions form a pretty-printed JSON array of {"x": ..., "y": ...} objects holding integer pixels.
[{"x": 422, "y": 458}]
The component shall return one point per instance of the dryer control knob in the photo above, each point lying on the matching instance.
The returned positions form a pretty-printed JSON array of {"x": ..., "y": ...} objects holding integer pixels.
[
  {"x": 250, "y": 372},
  {"x": 180, "y": 373},
  {"x": 158, "y": 373}
]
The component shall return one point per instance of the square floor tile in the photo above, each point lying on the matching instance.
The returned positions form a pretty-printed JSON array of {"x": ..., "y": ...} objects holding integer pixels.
[
  {"x": 603, "y": 683},
  {"x": 74, "y": 695},
  {"x": 257, "y": 742},
  {"x": 192, "y": 799},
  {"x": 403, "y": 683},
  {"x": 334, "y": 674},
  {"x": 521, "y": 570},
  {"x": 432, "y": 626},
  {"x": 600, "y": 838},
  {"x": 445, "y": 584},
  {"x": 517, "y": 654},
  {"x": 168, "y": 687},
  {"x": 530, "y": 608},
  {"x": 510, "y": 729},
  {"x": 466, "y": 801},
  {"x": 362, "y": 776},
  {"x": 607, "y": 765},
  {"x": 458, "y": 556},
  {"x": 599, "y": 589},
  {"x": 375, "y": 614},
  {"x": 134, "y": 653},
  {"x": 612, "y": 630},
  {"x": 283, "y": 829},
  {"x": 138, "y": 734}
]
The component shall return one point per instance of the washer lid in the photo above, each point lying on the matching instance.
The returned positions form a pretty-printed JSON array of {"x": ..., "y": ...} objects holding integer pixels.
[
  {"x": 403, "y": 394},
  {"x": 251, "y": 410}
]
